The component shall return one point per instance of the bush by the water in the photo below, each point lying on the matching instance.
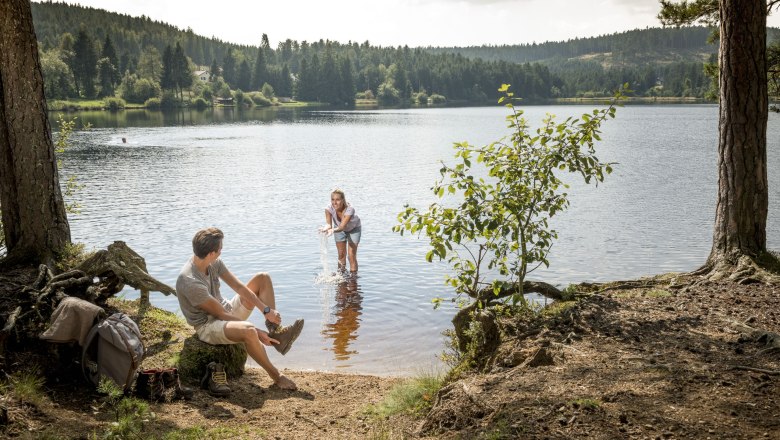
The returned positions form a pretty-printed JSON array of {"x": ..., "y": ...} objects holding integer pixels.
[
  {"x": 200, "y": 103},
  {"x": 435, "y": 98},
  {"x": 114, "y": 103},
  {"x": 260, "y": 99},
  {"x": 152, "y": 103}
]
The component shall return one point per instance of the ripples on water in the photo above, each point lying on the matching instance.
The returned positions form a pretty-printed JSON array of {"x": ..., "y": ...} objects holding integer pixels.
[{"x": 265, "y": 178}]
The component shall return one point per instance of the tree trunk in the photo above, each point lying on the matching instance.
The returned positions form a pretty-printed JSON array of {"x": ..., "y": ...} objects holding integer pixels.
[
  {"x": 33, "y": 212},
  {"x": 741, "y": 213}
]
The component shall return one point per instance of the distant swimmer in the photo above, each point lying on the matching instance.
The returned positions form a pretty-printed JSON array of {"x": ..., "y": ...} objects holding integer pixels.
[{"x": 124, "y": 140}]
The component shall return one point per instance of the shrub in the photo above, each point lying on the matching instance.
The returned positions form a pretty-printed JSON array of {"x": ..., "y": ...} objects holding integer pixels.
[
  {"x": 239, "y": 97},
  {"x": 501, "y": 227},
  {"x": 152, "y": 103},
  {"x": 200, "y": 103},
  {"x": 144, "y": 89},
  {"x": 268, "y": 91},
  {"x": 260, "y": 99},
  {"x": 114, "y": 104},
  {"x": 435, "y": 98},
  {"x": 388, "y": 95},
  {"x": 169, "y": 100}
]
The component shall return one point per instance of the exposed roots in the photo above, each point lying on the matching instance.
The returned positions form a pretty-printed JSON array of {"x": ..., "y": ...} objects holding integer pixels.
[{"x": 741, "y": 269}]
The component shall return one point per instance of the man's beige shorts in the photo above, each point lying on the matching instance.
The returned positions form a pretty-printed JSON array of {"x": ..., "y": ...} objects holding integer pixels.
[{"x": 213, "y": 331}]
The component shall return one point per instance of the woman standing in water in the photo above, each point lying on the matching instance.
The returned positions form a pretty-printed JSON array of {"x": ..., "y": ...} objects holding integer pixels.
[{"x": 344, "y": 225}]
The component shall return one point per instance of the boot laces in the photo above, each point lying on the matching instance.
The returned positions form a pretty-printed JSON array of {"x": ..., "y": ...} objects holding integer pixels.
[{"x": 219, "y": 377}]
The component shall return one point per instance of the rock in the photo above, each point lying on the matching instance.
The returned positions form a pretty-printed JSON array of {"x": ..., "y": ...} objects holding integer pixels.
[{"x": 196, "y": 355}]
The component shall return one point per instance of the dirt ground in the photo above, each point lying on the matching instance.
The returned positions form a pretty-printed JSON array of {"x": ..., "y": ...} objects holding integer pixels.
[
  {"x": 639, "y": 363},
  {"x": 669, "y": 362}
]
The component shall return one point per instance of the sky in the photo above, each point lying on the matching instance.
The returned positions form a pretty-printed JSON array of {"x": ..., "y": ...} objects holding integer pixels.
[{"x": 399, "y": 22}]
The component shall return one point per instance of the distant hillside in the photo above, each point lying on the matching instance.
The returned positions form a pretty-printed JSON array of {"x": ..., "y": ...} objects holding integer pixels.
[
  {"x": 655, "y": 44},
  {"x": 129, "y": 34},
  {"x": 655, "y": 62}
]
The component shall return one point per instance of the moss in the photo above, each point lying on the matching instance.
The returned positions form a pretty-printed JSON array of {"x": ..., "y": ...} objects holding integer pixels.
[
  {"x": 71, "y": 256},
  {"x": 658, "y": 293},
  {"x": 585, "y": 403}
]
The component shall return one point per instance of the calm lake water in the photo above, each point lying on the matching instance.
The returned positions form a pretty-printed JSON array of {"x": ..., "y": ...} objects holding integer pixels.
[{"x": 264, "y": 178}]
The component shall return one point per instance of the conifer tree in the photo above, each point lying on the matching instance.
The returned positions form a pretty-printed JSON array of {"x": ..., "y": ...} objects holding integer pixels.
[{"x": 85, "y": 63}]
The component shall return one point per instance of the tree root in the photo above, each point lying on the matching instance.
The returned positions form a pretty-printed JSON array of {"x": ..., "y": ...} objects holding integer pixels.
[
  {"x": 740, "y": 269},
  {"x": 757, "y": 370}
]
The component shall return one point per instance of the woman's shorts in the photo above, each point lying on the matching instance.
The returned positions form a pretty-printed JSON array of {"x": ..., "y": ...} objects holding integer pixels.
[
  {"x": 213, "y": 331},
  {"x": 352, "y": 236}
]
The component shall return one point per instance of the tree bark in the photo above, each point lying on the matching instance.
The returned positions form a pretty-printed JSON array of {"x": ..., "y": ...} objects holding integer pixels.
[
  {"x": 741, "y": 213},
  {"x": 33, "y": 212}
]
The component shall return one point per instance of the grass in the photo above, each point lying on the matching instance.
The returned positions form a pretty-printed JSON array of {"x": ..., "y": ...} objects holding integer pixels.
[
  {"x": 218, "y": 433},
  {"x": 413, "y": 397},
  {"x": 163, "y": 332},
  {"x": 26, "y": 387},
  {"x": 73, "y": 255},
  {"x": 586, "y": 404},
  {"x": 658, "y": 293}
]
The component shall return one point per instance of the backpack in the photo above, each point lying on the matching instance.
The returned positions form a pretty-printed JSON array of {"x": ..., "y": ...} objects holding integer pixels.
[{"x": 113, "y": 349}]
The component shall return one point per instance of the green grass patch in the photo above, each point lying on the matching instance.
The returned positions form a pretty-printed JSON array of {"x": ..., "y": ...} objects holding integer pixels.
[
  {"x": 658, "y": 293},
  {"x": 586, "y": 404},
  {"x": 72, "y": 255},
  {"x": 413, "y": 396},
  {"x": 556, "y": 308},
  {"x": 26, "y": 387},
  {"x": 163, "y": 332},
  {"x": 218, "y": 433}
]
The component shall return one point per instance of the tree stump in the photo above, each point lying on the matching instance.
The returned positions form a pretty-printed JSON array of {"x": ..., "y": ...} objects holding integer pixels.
[{"x": 196, "y": 355}]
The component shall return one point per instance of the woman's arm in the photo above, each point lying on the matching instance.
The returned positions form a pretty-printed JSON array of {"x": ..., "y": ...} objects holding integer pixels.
[{"x": 344, "y": 221}]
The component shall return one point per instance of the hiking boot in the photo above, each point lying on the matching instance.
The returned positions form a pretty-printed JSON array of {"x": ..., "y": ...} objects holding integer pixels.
[
  {"x": 286, "y": 335},
  {"x": 170, "y": 378},
  {"x": 215, "y": 380},
  {"x": 149, "y": 386}
]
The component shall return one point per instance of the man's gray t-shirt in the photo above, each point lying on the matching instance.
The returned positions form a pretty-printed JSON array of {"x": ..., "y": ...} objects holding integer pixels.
[{"x": 193, "y": 288}]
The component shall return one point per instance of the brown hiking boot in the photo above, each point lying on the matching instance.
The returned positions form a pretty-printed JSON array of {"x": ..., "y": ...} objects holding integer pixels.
[
  {"x": 170, "y": 378},
  {"x": 149, "y": 386},
  {"x": 215, "y": 380},
  {"x": 286, "y": 335}
]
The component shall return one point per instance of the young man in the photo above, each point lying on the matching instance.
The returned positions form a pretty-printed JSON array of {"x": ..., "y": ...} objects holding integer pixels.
[{"x": 219, "y": 321}]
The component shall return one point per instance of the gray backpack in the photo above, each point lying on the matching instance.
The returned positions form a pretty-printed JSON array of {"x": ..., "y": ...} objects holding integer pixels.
[{"x": 113, "y": 349}]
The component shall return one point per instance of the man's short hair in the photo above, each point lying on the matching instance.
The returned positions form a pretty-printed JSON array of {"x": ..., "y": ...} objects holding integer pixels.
[{"x": 206, "y": 241}]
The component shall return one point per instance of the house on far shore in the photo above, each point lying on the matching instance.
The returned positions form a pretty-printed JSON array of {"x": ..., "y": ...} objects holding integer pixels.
[{"x": 203, "y": 75}]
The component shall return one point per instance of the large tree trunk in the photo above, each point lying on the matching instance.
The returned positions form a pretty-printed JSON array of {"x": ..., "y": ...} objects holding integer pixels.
[
  {"x": 33, "y": 212},
  {"x": 740, "y": 221}
]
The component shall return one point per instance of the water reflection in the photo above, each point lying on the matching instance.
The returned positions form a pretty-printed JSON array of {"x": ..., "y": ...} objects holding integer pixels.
[
  {"x": 347, "y": 311},
  {"x": 177, "y": 117}
]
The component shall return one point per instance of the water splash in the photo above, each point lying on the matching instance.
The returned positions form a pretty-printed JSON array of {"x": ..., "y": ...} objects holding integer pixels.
[{"x": 327, "y": 276}]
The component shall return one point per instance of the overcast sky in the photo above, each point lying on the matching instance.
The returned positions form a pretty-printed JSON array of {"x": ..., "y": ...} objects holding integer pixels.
[{"x": 399, "y": 22}]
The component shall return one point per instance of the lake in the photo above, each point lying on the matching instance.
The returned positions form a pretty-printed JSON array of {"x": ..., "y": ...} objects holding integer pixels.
[{"x": 264, "y": 178}]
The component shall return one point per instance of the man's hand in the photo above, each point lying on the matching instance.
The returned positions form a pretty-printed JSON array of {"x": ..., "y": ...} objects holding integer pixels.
[
  {"x": 264, "y": 338},
  {"x": 273, "y": 316}
]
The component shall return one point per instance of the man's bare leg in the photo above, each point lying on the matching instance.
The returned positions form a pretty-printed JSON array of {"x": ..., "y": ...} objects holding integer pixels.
[
  {"x": 263, "y": 287},
  {"x": 243, "y": 331}
]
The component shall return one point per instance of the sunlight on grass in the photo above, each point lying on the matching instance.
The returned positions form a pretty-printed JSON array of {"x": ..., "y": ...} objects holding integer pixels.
[
  {"x": 412, "y": 396},
  {"x": 26, "y": 386}
]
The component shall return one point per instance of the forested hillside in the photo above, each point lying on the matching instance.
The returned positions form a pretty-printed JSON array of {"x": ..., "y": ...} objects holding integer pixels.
[
  {"x": 656, "y": 61},
  {"x": 90, "y": 53},
  {"x": 326, "y": 71}
]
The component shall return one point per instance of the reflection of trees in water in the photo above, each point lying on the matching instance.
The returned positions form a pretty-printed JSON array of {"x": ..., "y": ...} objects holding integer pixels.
[{"x": 347, "y": 313}]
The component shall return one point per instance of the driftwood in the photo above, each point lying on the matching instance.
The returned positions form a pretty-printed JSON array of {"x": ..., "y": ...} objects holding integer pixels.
[
  {"x": 95, "y": 280},
  {"x": 120, "y": 265}
]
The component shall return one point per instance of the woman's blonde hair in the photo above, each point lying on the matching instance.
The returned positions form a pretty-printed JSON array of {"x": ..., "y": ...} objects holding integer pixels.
[{"x": 341, "y": 193}]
